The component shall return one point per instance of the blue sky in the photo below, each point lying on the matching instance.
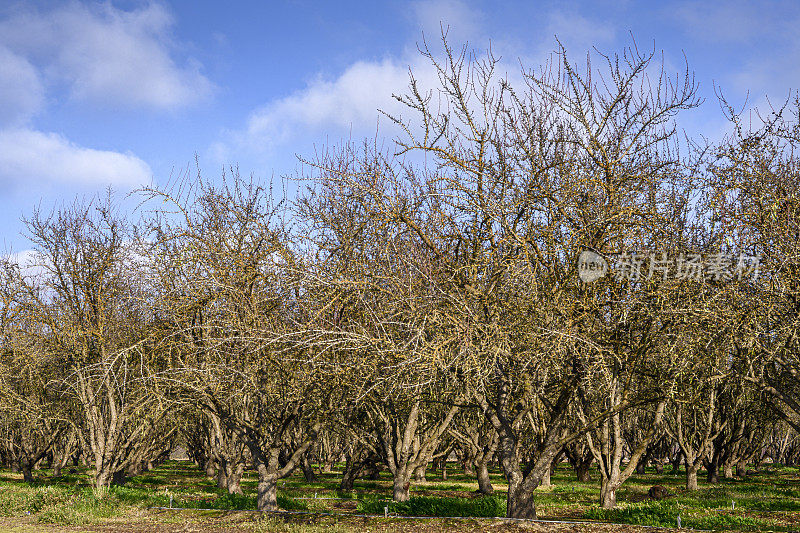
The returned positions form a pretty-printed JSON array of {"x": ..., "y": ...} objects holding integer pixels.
[{"x": 124, "y": 93}]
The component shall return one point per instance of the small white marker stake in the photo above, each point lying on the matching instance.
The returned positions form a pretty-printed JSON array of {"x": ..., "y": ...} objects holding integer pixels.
[
  {"x": 385, "y": 511},
  {"x": 679, "y": 521}
]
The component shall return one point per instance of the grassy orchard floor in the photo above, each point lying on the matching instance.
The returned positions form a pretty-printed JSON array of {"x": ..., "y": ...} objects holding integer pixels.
[{"x": 766, "y": 501}]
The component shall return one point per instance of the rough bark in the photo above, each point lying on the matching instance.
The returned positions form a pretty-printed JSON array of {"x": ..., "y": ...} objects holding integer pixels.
[
  {"x": 484, "y": 482},
  {"x": 691, "y": 476},
  {"x": 267, "y": 499}
]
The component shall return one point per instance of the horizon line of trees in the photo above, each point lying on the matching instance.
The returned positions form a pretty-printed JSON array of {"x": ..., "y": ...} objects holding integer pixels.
[{"x": 421, "y": 303}]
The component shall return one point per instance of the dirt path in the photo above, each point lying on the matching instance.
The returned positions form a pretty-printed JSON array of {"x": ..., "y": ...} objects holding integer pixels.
[{"x": 234, "y": 522}]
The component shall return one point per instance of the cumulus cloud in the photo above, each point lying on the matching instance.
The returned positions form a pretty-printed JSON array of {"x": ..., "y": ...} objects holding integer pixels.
[
  {"x": 107, "y": 55},
  {"x": 348, "y": 104},
  {"x": 21, "y": 91},
  {"x": 38, "y": 158},
  {"x": 350, "y": 101}
]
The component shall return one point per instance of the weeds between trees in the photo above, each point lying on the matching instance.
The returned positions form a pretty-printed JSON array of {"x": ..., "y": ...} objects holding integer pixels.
[{"x": 414, "y": 304}]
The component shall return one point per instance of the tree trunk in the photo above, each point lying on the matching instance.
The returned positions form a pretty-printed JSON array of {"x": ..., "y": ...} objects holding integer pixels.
[
  {"x": 400, "y": 488},
  {"x": 222, "y": 474},
  {"x": 691, "y": 477},
  {"x": 234, "y": 481},
  {"x": 676, "y": 462},
  {"x": 468, "y": 467},
  {"x": 712, "y": 471},
  {"x": 308, "y": 472},
  {"x": 582, "y": 471},
  {"x": 484, "y": 482},
  {"x": 352, "y": 468},
  {"x": 25, "y": 468},
  {"x": 521, "y": 503},
  {"x": 741, "y": 469},
  {"x": 267, "y": 499},
  {"x": 608, "y": 493},
  {"x": 419, "y": 473},
  {"x": 208, "y": 468},
  {"x": 546, "y": 479},
  {"x": 102, "y": 478},
  {"x": 727, "y": 469}
]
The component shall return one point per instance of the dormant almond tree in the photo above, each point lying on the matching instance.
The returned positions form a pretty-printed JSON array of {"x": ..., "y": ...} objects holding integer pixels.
[
  {"x": 230, "y": 292},
  {"x": 755, "y": 175},
  {"x": 33, "y": 415},
  {"x": 87, "y": 303},
  {"x": 481, "y": 243}
]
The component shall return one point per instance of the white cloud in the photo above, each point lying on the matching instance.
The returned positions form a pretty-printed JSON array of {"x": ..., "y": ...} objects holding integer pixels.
[
  {"x": 462, "y": 22},
  {"x": 107, "y": 55},
  {"x": 30, "y": 262},
  {"x": 348, "y": 103},
  {"x": 577, "y": 33},
  {"x": 21, "y": 92},
  {"x": 32, "y": 158}
]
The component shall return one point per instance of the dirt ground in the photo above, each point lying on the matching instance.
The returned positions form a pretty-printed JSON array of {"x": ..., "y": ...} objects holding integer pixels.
[{"x": 234, "y": 522}]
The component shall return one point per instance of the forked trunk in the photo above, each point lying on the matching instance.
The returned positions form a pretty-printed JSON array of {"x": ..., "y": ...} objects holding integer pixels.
[
  {"x": 102, "y": 478},
  {"x": 521, "y": 503},
  {"x": 608, "y": 493}
]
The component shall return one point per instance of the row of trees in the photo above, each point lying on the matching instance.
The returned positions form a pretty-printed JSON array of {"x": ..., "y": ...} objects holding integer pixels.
[{"x": 420, "y": 301}]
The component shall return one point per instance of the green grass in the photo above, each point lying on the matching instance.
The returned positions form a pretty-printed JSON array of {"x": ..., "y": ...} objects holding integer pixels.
[
  {"x": 665, "y": 514},
  {"x": 769, "y": 500},
  {"x": 487, "y": 506}
]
